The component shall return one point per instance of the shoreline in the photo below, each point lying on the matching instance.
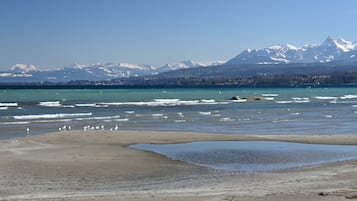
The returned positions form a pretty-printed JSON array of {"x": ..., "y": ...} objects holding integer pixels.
[{"x": 98, "y": 165}]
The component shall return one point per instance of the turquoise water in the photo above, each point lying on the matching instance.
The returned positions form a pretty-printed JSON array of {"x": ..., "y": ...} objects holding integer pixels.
[
  {"x": 283, "y": 110},
  {"x": 252, "y": 156}
]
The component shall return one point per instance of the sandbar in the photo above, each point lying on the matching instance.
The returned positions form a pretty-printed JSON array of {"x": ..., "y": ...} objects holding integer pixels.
[{"x": 98, "y": 165}]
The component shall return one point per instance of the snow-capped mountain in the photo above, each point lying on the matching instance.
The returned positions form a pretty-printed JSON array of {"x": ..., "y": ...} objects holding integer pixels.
[
  {"x": 23, "y": 68},
  {"x": 330, "y": 50},
  {"x": 180, "y": 65},
  {"x": 23, "y": 72}
]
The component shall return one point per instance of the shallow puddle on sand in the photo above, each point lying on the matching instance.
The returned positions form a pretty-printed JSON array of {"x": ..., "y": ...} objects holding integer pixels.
[{"x": 252, "y": 156}]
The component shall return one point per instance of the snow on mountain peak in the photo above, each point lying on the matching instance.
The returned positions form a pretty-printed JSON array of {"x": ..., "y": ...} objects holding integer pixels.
[
  {"x": 23, "y": 68},
  {"x": 330, "y": 50}
]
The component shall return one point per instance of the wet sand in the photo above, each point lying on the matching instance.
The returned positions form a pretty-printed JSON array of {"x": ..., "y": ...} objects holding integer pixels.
[{"x": 98, "y": 165}]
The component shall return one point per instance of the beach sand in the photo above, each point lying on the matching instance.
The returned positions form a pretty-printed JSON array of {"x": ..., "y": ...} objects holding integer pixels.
[{"x": 98, "y": 165}]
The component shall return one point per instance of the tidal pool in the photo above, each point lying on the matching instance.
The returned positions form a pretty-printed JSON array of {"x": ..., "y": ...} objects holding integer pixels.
[{"x": 252, "y": 156}]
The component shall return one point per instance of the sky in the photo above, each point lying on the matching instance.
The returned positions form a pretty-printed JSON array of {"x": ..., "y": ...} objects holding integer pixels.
[{"x": 57, "y": 33}]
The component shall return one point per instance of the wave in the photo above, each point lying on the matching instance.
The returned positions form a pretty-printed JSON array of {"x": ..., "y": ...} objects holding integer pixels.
[
  {"x": 226, "y": 119},
  {"x": 167, "y": 100},
  {"x": 50, "y": 104},
  {"x": 348, "y": 97},
  {"x": 343, "y": 102},
  {"x": 205, "y": 113},
  {"x": 269, "y": 98},
  {"x": 269, "y": 95},
  {"x": 9, "y": 104},
  {"x": 97, "y": 118},
  {"x": 207, "y": 101},
  {"x": 325, "y": 97},
  {"x": 122, "y": 120},
  {"x": 284, "y": 102},
  {"x": 164, "y": 102},
  {"x": 4, "y": 108},
  {"x": 294, "y": 100},
  {"x": 15, "y": 122},
  {"x": 239, "y": 101},
  {"x": 180, "y": 121},
  {"x": 85, "y": 105},
  {"x": 51, "y": 116},
  {"x": 53, "y": 104}
]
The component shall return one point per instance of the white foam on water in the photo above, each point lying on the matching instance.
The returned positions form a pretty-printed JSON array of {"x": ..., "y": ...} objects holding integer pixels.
[
  {"x": 269, "y": 95},
  {"x": 348, "y": 96},
  {"x": 295, "y": 113},
  {"x": 269, "y": 98},
  {"x": 239, "y": 101},
  {"x": 300, "y": 99},
  {"x": 51, "y": 116},
  {"x": 15, "y": 123},
  {"x": 208, "y": 101},
  {"x": 53, "y": 120},
  {"x": 226, "y": 119},
  {"x": 328, "y": 116},
  {"x": 50, "y": 104},
  {"x": 98, "y": 118},
  {"x": 164, "y": 102},
  {"x": 4, "y": 108},
  {"x": 167, "y": 100},
  {"x": 129, "y": 112},
  {"x": 9, "y": 104},
  {"x": 205, "y": 113},
  {"x": 157, "y": 115},
  {"x": 343, "y": 102},
  {"x": 180, "y": 121},
  {"x": 283, "y": 102},
  {"x": 325, "y": 97},
  {"x": 85, "y": 105},
  {"x": 122, "y": 120},
  {"x": 354, "y": 105}
]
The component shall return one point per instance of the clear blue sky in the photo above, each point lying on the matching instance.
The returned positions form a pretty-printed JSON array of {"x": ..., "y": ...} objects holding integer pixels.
[{"x": 55, "y": 33}]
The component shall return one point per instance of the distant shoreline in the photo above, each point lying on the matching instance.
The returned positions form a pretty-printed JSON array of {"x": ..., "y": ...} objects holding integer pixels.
[{"x": 64, "y": 86}]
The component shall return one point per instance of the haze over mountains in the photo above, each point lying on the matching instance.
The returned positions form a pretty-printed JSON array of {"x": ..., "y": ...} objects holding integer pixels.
[{"x": 277, "y": 57}]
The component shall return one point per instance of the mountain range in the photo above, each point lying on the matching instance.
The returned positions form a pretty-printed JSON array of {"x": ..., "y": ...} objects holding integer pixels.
[
  {"x": 279, "y": 58},
  {"x": 331, "y": 50}
]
